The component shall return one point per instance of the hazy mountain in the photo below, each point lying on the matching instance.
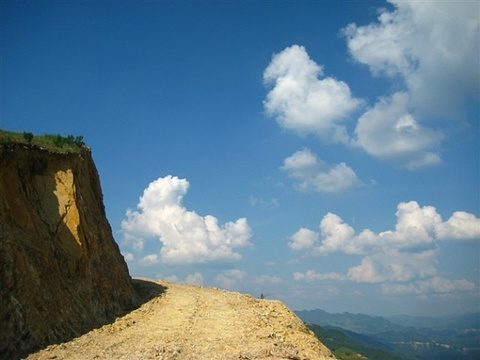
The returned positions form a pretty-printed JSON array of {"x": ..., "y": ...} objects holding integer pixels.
[
  {"x": 410, "y": 337},
  {"x": 349, "y": 345},
  {"x": 466, "y": 321},
  {"x": 361, "y": 323}
]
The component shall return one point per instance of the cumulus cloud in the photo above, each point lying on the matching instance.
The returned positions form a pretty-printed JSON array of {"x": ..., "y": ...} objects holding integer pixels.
[
  {"x": 334, "y": 236},
  {"x": 390, "y": 265},
  {"x": 406, "y": 253},
  {"x": 303, "y": 239},
  {"x": 461, "y": 226},
  {"x": 417, "y": 229},
  {"x": 431, "y": 46},
  {"x": 186, "y": 237},
  {"x": 304, "y": 101},
  {"x": 315, "y": 175},
  {"x": 389, "y": 131},
  {"x": 429, "y": 52},
  {"x": 394, "y": 265},
  {"x": 432, "y": 49}
]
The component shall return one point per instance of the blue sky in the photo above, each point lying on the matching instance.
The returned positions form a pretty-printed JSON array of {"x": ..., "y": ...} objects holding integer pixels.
[{"x": 322, "y": 153}]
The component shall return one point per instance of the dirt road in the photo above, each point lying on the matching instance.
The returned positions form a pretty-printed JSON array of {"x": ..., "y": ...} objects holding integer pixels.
[{"x": 194, "y": 322}]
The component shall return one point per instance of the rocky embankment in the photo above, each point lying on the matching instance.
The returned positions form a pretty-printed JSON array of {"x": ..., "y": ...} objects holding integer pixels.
[
  {"x": 61, "y": 272},
  {"x": 193, "y": 322}
]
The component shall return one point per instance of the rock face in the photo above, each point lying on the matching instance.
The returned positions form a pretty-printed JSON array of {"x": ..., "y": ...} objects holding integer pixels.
[{"x": 61, "y": 272}]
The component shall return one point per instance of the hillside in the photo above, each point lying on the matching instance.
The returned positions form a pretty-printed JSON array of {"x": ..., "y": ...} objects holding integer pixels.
[
  {"x": 405, "y": 337},
  {"x": 346, "y": 345},
  {"x": 360, "y": 323},
  {"x": 194, "y": 322},
  {"x": 65, "y": 287}
]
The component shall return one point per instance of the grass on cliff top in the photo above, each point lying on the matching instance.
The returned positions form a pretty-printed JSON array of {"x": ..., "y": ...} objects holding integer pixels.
[{"x": 56, "y": 143}]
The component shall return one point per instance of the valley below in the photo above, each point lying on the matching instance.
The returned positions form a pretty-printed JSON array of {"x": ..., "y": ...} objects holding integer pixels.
[{"x": 349, "y": 336}]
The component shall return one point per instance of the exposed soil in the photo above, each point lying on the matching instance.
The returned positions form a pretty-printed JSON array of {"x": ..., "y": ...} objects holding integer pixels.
[{"x": 194, "y": 322}]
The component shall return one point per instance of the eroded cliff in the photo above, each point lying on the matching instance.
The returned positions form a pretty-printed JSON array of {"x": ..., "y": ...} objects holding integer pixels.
[{"x": 61, "y": 272}]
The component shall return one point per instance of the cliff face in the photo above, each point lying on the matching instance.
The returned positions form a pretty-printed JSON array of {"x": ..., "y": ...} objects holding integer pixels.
[{"x": 61, "y": 272}]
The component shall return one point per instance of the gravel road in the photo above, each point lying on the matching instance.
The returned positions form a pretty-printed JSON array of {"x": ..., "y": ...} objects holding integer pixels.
[{"x": 179, "y": 321}]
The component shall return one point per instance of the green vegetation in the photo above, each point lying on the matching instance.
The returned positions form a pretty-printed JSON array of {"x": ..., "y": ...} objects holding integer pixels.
[
  {"x": 453, "y": 337},
  {"x": 345, "y": 347},
  {"x": 68, "y": 141},
  {"x": 58, "y": 143},
  {"x": 344, "y": 353},
  {"x": 28, "y": 136}
]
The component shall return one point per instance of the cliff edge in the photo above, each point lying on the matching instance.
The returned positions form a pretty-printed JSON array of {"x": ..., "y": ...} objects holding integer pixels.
[{"x": 61, "y": 272}]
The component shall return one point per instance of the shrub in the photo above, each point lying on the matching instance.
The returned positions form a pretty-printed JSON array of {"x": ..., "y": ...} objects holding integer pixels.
[
  {"x": 79, "y": 141},
  {"x": 28, "y": 136},
  {"x": 68, "y": 141},
  {"x": 58, "y": 141}
]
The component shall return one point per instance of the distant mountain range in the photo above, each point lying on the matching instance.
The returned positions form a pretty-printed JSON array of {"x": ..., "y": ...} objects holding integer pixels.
[{"x": 397, "y": 337}]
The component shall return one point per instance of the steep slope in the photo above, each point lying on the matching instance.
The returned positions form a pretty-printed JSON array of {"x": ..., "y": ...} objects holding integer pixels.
[
  {"x": 194, "y": 322},
  {"x": 61, "y": 272},
  {"x": 65, "y": 288}
]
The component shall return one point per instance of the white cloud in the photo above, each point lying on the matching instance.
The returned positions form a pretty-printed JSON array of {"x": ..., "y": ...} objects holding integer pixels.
[
  {"x": 336, "y": 235},
  {"x": 417, "y": 229},
  {"x": 129, "y": 257},
  {"x": 229, "y": 279},
  {"x": 263, "y": 203},
  {"x": 267, "y": 279},
  {"x": 150, "y": 260},
  {"x": 171, "y": 278},
  {"x": 387, "y": 265},
  {"x": 301, "y": 164},
  {"x": 461, "y": 226},
  {"x": 302, "y": 101},
  {"x": 406, "y": 253},
  {"x": 389, "y": 131},
  {"x": 303, "y": 239},
  {"x": 432, "y": 48},
  {"x": 436, "y": 284},
  {"x": 313, "y": 174},
  {"x": 367, "y": 272},
  {"x": 313, "y": 276},
  {"x": 429, "y": 52},
  {"x": 186, "y": 237},
  {"x": 194, "y": 279}
]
